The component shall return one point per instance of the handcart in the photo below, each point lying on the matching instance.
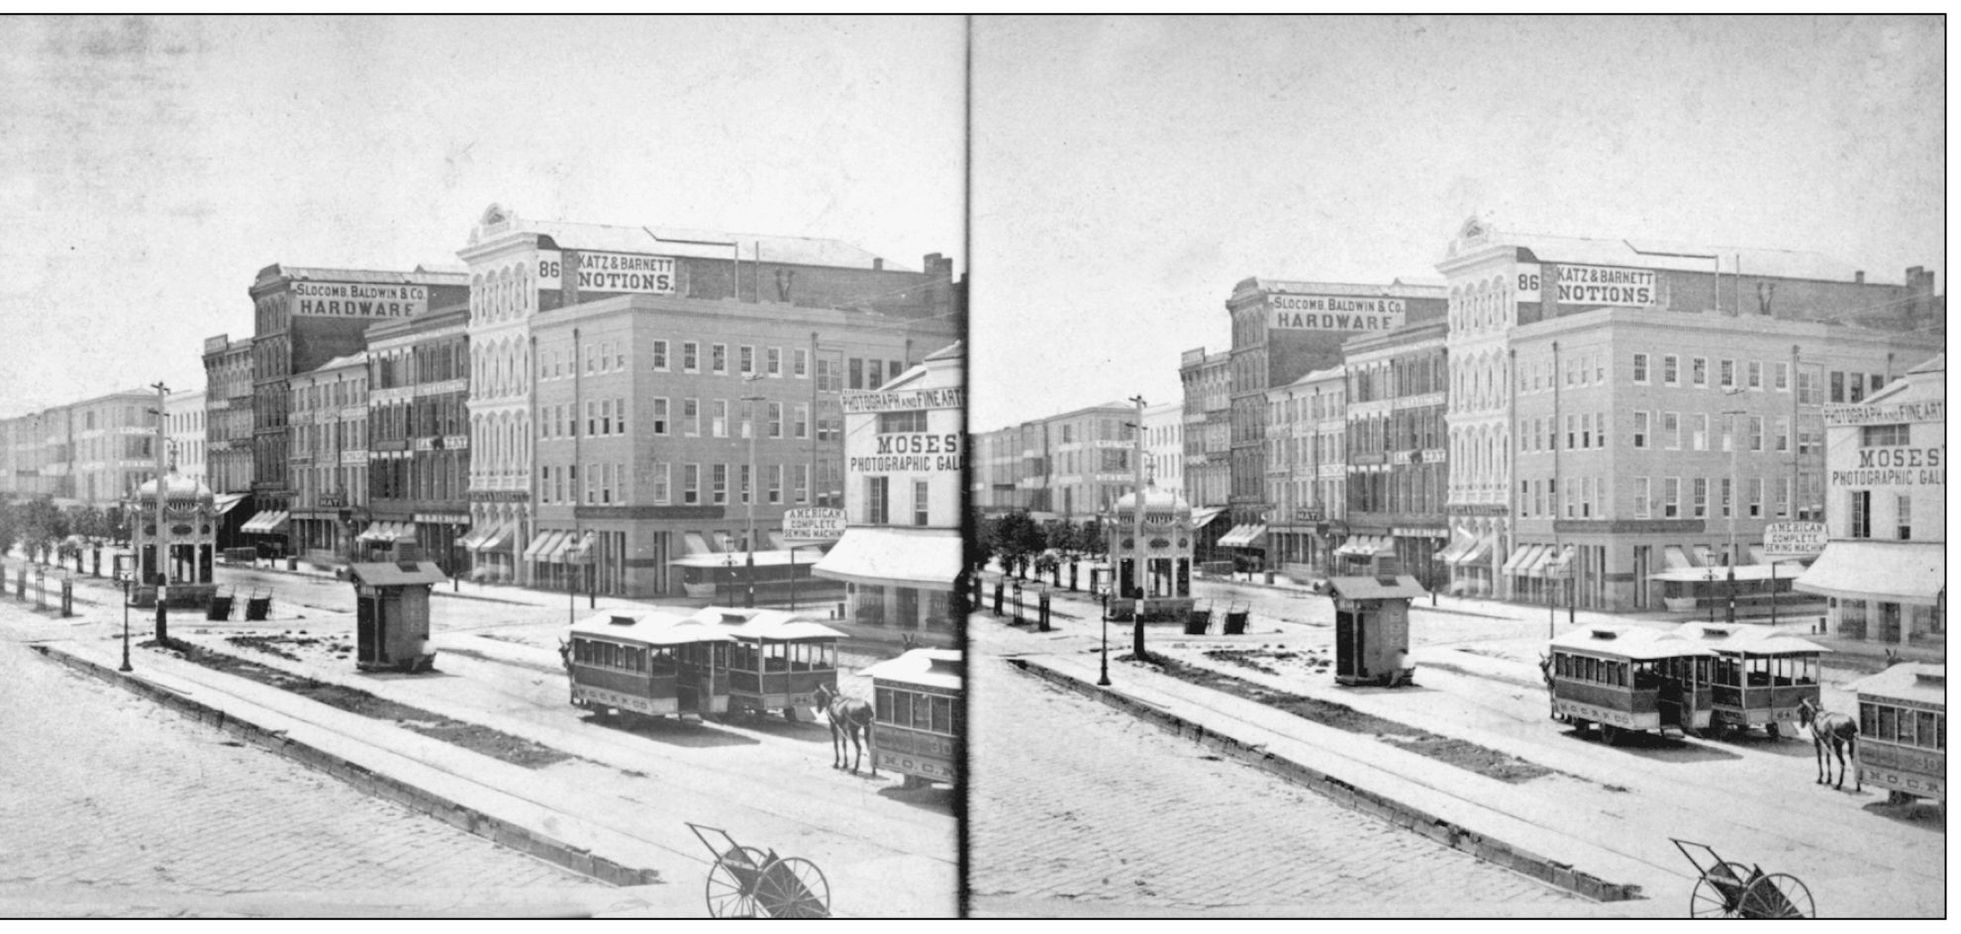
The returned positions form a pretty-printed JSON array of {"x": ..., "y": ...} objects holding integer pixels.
[
  {"x": 1728, "y": 890},
  {"x": 746, "y": 882}
]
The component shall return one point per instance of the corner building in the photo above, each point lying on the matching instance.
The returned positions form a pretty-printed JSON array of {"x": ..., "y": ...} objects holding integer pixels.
[{"x": 610, "y": 367}]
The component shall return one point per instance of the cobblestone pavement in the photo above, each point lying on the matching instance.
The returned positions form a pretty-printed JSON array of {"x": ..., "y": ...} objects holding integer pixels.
[
  {"x": 1078, "y": 804},
  {"x": 106, "y": 792}
]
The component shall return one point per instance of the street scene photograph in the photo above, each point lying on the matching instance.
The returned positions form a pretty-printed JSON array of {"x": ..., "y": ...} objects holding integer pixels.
[
  {"x": 513, "y": 467},
  {"x": 1457, "y": 467}
]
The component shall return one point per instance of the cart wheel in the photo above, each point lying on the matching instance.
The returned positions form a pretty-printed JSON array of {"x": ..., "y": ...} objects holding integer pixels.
[
  {"x": 1718, "y": 892},
  {"x": 790, "y": 713},
  {"x": 728, "y": 894},
  {"x": 1580, "y": 725},
  {"x": 793, "y": 887},
  {"x": 1778, "y": 895},
  {"x": 1771, "y": 728}
]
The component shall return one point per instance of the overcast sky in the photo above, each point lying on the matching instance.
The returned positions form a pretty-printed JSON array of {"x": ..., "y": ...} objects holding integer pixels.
[
  {"x": 1127, "y": 172},
  {"x": 150, "y": 167}
]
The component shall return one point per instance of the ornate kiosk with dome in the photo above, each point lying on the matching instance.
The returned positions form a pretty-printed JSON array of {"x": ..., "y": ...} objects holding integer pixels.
[
  {"x": 1152, "y": 557},
  {"x": 188, "y": 536}
]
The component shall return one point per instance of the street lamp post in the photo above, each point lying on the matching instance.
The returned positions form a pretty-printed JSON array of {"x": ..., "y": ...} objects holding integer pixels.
[
  {"x": 1735, "y": 501},
  {"x": 1103, "y": 678},
  {"x": 159, "y": 542},
  {"x": 749, "y": 495},
  {"x": 125, "y": 665}
]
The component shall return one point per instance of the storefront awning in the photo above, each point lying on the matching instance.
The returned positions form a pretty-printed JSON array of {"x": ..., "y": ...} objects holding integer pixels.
[
  {"x": 1885, "y": 572},
  {"x": 1757, "y": 555},
  {"x": 776, "y": 539},
  {"x": 1705, "y": 556},
  {"x": 386, "y": 532},
  {"x": 542, "y": 543},
  {"x": 1367, "y": 545},
  {"x": 498, "y": 537},
  {"x": 928, "y": 559},
  {"x": 226, "y": 502},
  {"x": 1203, "y": 517},
  {"x": 266, "y": 523},
  {"x": 1460, "y": 542},
  {"x": 693, "y": 543},
  {"x": 1674, "y": 558},
  {"x": 1479, "y": 551},
  {"x": 1257, "y": 539},
  {"x": 1236, "y": 538},
  {"x": 1558, "y": 564},
  {"x": 1522, "y": 557}
]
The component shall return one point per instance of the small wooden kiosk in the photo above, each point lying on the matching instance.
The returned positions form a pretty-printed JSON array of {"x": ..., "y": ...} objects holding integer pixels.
[
  {"x": 1372, "y": 628},
  {"x": 391, "y": 622}
]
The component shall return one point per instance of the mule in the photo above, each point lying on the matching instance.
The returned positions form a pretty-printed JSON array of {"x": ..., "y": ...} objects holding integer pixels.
[
  {"x": 1838, "y": 731},
  {"x": 851, "y": 719}
]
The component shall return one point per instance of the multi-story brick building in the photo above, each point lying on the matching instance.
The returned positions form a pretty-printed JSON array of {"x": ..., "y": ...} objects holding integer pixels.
[
  {"x": 995, "y": 458},
  {"x": 228, "y": 446},
  {"x": 328, "y": 475},
  {"x": 1398, "y": 464},
  {"x": 184, "y": 429},
  {"x": 90, "y": 453},
  {"x": 418, "y": 457},
  {"x": 1164, "y": 445},
  {"x": 1281, "y": 331},
  {"x": 1306, "y": 462},
  {"x": 527, "y": 273},
  {"x": 1884, "y": 568},
  {"x": 1207, "y": 380},
  {"x": 304, "y": 317},
  {"x": 902, "y": 549}
]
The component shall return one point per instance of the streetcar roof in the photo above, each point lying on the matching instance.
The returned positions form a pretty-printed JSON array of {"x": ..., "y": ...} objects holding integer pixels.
[
  {"x": 1750, "y": 639},
  {"x": 774, "y": 625},
  {"x": 1631, "y": 642},
  {"x": 648, "y": 627},
  {"x": 1915, "y": 681},
  {"x": 939, "y": 668}
]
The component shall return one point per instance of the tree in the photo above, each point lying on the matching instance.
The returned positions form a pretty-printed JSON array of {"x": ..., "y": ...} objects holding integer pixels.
[
  {"x": 983, "y": 548},
  {"x": 10, "y": 528},
  {"x": 1016, "y": 536},
  {"x": 116, "y": 520},
  {"x": 1090, "y": 536},
  {"x": 90, "y": 523},
  {"x": 42, "y": 524}
]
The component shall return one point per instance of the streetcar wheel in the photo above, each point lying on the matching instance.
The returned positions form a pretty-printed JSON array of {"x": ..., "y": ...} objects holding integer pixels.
[
  {"x": 1778, "y": 895},
  {"x": 793, "y": 887},
  {"x": 790, "y": 713},
  {"x": 1581, "y": 724},
  {"x": 1771, "y": 728},
  {"x": 732, "y": 883},
  {"x": 914, "y": 781},
  {"x": 1611, "y": 733}
]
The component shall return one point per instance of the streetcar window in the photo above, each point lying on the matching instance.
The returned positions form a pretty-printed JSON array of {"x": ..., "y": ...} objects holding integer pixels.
[
  {"x": 1889, "y": 721},
  {"x": 901, "y": 708},
  {"x": 922, "y": 712},
  {"x": 1620, "y": 672},
  {"x": 1933, "y": 730},
  {"x": 883, "y": 698},
  {"x": 1810, "y": 675},
  {"x": 1869, "y": 719},
  {"x": 942, "y": 714},
  {"x": 1759, "y": 671},
  {"x": 1905, "y": 729},
  {"x": 661, "y": 662}
]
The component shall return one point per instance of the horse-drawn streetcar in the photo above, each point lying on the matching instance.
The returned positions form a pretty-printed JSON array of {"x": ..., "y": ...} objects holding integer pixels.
[
  {"x": 1627, "y": 678},
  {"x": 1902, "y": 745},
  {"x": 778, "y": 659},
  {"x": 917, "y": 711},
  {"x": 647, "y": 663},
  {"x": 1760, "y": 676}
]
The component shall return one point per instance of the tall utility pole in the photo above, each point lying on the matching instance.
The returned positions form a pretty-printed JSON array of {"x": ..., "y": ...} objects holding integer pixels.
[
  {"x": 749, "y": 498},
  {"x": 1734, "y": 501},
  {"x": 1137, "y": 532},
  {"x": 159, "y": 543}
]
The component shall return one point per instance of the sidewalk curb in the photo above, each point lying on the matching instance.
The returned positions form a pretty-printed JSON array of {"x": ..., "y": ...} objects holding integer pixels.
[
  {"x": 1497, "y": 852},
  {"x": 367, "y": 781}
]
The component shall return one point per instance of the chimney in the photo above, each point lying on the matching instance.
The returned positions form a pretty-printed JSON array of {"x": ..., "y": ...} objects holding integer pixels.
[
  {"x": 1859, "y": 277},
  {"x": 878, "y": 262}
]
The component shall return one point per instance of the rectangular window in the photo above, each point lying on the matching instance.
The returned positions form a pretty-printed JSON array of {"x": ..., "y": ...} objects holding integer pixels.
[
  {"x": 1755, "y": 433},
  {"x": 1641, "y": 368},
  {"x": 690, "y": 357},
  {"x": 691, "y": 417},
  {"x": 1671, "y": 430},
  {"x": 776, "y": 419},
  {"x": 1600, "y": 429},
  {"x": 606, "y": 478},
  {"x": 1808, "y": 391},
  {"x": 1781, "y": 434},
  {"x": 719, "y": 422},
  {"x": 660, "y": 477},
  {"x": 1780, "y": 503},
  {"x": 619, "y": 358},
  {"x": 1698, "y": 498},
  {"x": 1586, "y": 431},
  {"x": 592, "y": 418},
  {"x": 1754, "y": 375},
  {"x": 1572, "y": 434},
  {"x": 718, "y": 358},
  {"x": 746, "y": 358},
  {"x": 591, "y": 485},
  {"x": 660, "y": 354},
  {"x": 800, "y": 363},
  {"x": 1699, "y": 372},
  {"x": 690, "y": 484},
  {"x": 1671, "y": 497},
  {"x": 1780, "y": 377},
  {"x": 660, "y": 416},
  {"x": 1599, "y": 368},
  {"x": 744, "y": 488},
  {"x": 776, "y": 483},
  {"x": 1861, "y": 514},
  {"x": 1903, "y": 517},
  {"x": 718, "y": 484},
  {"x": 1671, "y": 373},
  {"x": 1881, "y": 436},
  {"x": 1755, "y": 486},
  {"x": 605, "y": 416},
  {"x": 1726, "y": 373},
  {"x": 877, "y": 500},
  {"x": 1640, "y": 497},
  {"x": 802, "y": 483},
  {"x": 855, "y": 367},
  {"x": 1729, "y": 432},
  {"x": 1855, "y": 389},
  {"x": 921, "y": 496},
  {"x": 773, "y": 361},
  {"x": 1838, "y": 387},
  {"x": 1567, "y": 499},
  {"x": 592, "y": 358},
  {"x": 1699, "y": 436},
  {"x": 801, "y": 426}
]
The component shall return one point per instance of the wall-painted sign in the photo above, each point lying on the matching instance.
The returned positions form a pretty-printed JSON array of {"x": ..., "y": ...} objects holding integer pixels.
[
  {"x": 866, "y": 401},
  {"x": 1839, "y": 415},
  {"x": 1588, "y": 285},
  {"x": 910, "y": 452},
  {"x": 1794, "y": 539},
  {"x": 609, "y": 272},
  {"x": 1896, "y": 466},
  {"x": 1335, "y": 313},
  {"x": 813, "y": 524},
  {"x": 359, "y": 299}
]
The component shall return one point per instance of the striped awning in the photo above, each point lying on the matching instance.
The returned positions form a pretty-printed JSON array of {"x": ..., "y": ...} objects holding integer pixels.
[
  {"x": 692, "y": 543},
  {"x": 1479, "y": 550},
  {"x": 1674, "y": 559},
  {"x": 266, "y": 523},
  {"x": 1522, "y": 557},
  {"x": 1460, "y": 542},
  {"x": 498, "y": 537},
  {"x": 543, "y": 543},
  {"x": 1367, "y": 545},
  {"x": 1557, "y": 564}
]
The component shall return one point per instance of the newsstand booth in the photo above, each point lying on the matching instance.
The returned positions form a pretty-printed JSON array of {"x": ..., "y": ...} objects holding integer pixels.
[
  {"x": 1372, "y": 628},
  {"x": 391, "y": 614}
]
